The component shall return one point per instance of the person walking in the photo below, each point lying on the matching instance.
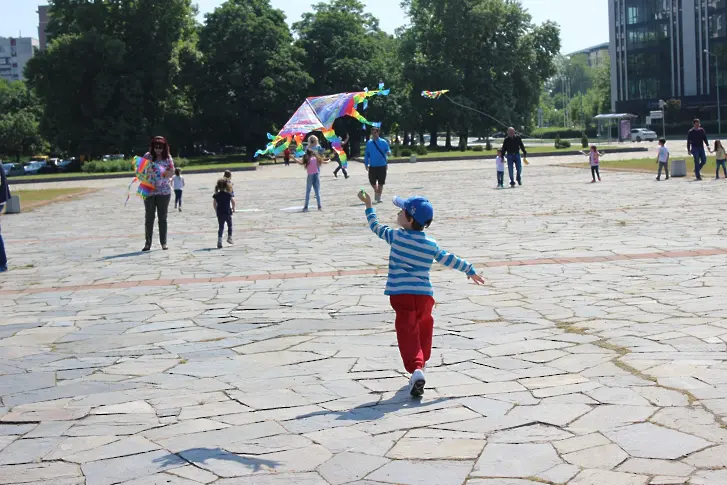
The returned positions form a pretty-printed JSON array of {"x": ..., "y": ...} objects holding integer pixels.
[
  {"x": 224, "y": 205},
  {"x": 721, "y": 158},
  {"x": 511, "y": 147},
  {"x": 696, "y": 141},
  {"x": 662, "y": 159},
  {"x": 376, "y": 160},
  {"x": 160, "y": 171},
  {"x": 337, "y": 158},
  {"x": 178, "y": 183},
  {"x": 4, "y": 197}
]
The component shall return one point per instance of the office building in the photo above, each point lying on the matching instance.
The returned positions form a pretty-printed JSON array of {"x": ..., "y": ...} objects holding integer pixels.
[
  {"x": 597, "y": 55},
  {"x": 15, "y": 52},
  {"x": 42, "y": 26},
  {"x": 657, "y": 51}
]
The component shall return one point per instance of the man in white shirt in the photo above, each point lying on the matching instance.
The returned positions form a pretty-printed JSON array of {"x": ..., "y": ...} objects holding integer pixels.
[{"x": 663, "y": 159}]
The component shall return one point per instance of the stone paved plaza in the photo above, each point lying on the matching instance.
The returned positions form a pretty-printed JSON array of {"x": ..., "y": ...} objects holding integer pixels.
[{"x": 594, "y": 355}]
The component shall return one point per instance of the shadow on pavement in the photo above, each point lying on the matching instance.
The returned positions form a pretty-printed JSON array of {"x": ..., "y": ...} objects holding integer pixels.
[{"x": 199, "y": 457}]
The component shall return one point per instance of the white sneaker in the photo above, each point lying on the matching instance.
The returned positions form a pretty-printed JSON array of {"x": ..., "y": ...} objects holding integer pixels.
[
  {"x": 416, "y": 383},
  {"x": 229, "y": 240}
]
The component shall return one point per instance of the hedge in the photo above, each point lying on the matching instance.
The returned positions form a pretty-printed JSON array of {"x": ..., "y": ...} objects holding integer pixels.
[{"x": 553, "y": 131}]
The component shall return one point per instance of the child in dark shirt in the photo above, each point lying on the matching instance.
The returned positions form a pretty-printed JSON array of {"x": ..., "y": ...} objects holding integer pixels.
[{"x": 224, "y": 205}]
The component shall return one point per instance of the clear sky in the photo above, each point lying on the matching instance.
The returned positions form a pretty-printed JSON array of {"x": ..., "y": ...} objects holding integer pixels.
[{"x": 583, "y": 22}]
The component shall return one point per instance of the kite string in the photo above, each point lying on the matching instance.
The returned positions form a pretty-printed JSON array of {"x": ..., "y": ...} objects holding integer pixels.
[{"x": 475, "y": 110}]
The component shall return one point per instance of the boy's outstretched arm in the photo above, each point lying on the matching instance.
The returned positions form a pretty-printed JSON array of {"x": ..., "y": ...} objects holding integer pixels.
[
  {"x": 381, "y": 230},
  {"x": 451, "y": 261}
]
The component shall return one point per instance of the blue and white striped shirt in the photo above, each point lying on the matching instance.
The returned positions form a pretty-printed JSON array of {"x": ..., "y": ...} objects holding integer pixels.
[{"x": 411, "y": 258}]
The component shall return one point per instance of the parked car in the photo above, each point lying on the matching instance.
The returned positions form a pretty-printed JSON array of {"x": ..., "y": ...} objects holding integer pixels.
[
  {"x": 639, "y": 134},
  {"x": 7, "y": 167},
  {"x": 64, "y": 165},
  {"x": 118, "y": 156},
  {"x": 13, "y": 169},
  {"x": 33, "y": 167}
]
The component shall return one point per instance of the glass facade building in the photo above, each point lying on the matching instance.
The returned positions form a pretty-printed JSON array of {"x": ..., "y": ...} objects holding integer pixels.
[{"x": 657, "y": 51}]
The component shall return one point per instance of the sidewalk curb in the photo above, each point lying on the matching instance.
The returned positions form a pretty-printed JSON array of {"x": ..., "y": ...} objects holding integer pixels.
[
  {"x": 489, "y": 157},
  {"x": 20, "y": 180}
]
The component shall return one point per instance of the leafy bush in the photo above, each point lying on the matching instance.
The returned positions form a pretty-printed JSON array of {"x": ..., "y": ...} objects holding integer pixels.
[
  {"x": 584, "y": 141},
  {"x": 405, "y": 152},
  {"x": 561, "y": 143},
  {"x": 553, "y": 132},
  {"x": 120, "y": 166},
  {"x": 107, "y": 166},
  {"x": 397, "y": 150},
  {"x": 477, "y": 148},
  {"x": 422, "y": 150}
]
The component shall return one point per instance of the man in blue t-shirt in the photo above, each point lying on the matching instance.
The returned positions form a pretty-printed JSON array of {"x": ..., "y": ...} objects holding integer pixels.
[{"x": 375, "y": 160}]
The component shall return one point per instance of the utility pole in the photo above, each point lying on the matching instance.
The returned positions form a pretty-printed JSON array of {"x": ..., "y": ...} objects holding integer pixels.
[{"x": 719, "y": 111}]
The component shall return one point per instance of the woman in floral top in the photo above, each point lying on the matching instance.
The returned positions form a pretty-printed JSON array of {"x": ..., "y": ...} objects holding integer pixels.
[{"x": 160, "y": 170}]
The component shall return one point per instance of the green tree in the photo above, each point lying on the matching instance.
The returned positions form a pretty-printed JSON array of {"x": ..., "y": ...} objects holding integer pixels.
[
  {"x": 108, "y": 76},
  {"x": 345, "y": 50},
  {"x": 602, "y": 87},
  {"x": 19, "y": 134},
  {"x": 19, "y": 114},
  {"x": 487, "y": 52},
  {"x": 253, "y": 78}
]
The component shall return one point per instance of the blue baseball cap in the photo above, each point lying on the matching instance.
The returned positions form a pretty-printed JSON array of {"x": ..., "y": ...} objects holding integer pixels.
[{"x": 419, "y": 207}]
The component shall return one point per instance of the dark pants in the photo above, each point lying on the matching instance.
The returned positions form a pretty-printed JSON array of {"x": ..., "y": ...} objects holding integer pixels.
[
  {"x": 500, "y": 179},
  {"x": 223, "y": 219},
  {"x": 700, "y": 160},
  {"x": 595, "y": 173},
  {"x": 340, "y": 168},
  {"x": 156, "y": 205},
  {"x": 3, "y": 256},
  {"x": 177, "y": 197},
  {"x": 723, "y": 164},
  {"x": 666, "y": 169},
  {"x": 514, "y": 160}
]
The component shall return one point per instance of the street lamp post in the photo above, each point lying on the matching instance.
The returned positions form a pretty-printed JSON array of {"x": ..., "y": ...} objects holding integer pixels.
[{"x": 716, "y": 70}]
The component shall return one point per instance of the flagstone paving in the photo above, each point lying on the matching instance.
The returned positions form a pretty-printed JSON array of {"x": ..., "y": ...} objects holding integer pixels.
[{"x": 595, "y": 353}]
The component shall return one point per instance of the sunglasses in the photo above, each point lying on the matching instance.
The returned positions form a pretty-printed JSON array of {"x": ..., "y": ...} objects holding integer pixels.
[{"x": 158, "y": 146}]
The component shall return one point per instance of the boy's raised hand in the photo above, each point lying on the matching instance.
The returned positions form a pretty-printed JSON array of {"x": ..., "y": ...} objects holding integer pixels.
[
  {"x": 479, "y": 280},
  {"x": 365, "y": 198}
]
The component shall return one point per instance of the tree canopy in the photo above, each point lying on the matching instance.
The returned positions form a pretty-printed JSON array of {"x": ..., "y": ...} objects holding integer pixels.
[{"x": 119, "y": 71}]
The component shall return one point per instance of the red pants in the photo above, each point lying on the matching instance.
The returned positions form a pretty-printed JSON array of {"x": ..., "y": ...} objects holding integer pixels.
[{"x": 414, "y": 328}]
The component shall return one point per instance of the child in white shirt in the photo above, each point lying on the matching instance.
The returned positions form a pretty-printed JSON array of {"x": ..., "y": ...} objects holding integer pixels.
[
  {"x": 663, "y": 159},
  {"x": 500, "y": 169},
  {"x": 178, "y": 185}
]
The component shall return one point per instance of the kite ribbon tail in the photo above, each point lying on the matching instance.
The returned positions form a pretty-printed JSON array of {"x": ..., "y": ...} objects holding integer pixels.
[{"x": 128, "y": 193}]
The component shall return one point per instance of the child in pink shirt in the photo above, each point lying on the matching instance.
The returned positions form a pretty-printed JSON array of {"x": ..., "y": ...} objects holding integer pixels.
[
  {"x": 312, "y": 162},
  {"x": 594, "y": 157}
]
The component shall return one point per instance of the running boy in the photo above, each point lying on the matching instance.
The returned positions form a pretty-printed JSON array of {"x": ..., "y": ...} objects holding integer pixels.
[
  {"x": 663, "y": 159},
  {"x": 500, "y": 163},
  {"x": 408, "y": 286}
]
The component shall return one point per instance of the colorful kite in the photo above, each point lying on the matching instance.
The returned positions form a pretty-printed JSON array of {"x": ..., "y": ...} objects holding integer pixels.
[
  {"x": 434, "y": 94},
  {"x": 141, "y": 170},
  {"x": 318, "y": 114}
]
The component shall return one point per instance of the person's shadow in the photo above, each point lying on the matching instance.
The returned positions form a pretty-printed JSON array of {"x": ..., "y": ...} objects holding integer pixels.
[
  {"x": 199, "y": 457},
  {"x": 119, "y": 256},
  {"x": 378, "y": 409}
]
